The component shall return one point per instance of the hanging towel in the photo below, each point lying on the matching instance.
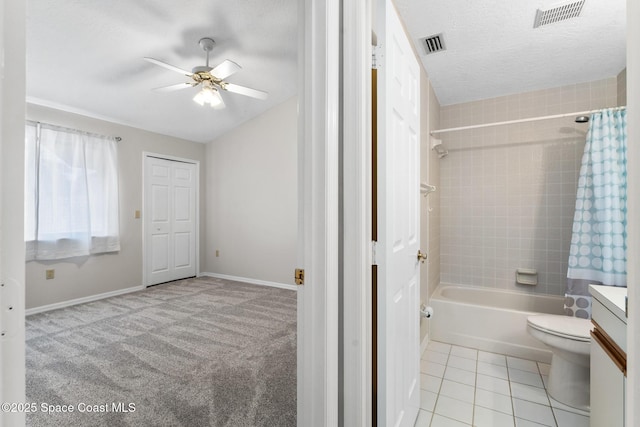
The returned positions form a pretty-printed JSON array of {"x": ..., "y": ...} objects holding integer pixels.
[{"x": 598, "y": 252}]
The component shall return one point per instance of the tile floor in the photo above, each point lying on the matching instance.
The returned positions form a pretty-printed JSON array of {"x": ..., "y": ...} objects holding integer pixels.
[{"x": 467, "y": 387}]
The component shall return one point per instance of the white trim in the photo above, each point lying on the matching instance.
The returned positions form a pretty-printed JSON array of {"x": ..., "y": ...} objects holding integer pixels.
[
  {"x": 3, "y": 240},
  {"x": 356, "y": 235},
  {"x": 250, "y": 280},
  {"x": 318, "y": 127},
  {"x": 146, "y": 154},
  {"x": 66, "y": 108},
  {"x": 423, "y": 344},
  {"x": 82, "y": 112},
  {"x": 76, "y": 301},
  {"x": 12, "y": 246},
  {"x": 633, "y": 232},
  {"x": 168, "y": 157}
]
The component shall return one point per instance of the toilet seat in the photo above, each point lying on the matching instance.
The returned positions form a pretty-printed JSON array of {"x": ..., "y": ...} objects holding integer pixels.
[{"x": 572, "y": 328}]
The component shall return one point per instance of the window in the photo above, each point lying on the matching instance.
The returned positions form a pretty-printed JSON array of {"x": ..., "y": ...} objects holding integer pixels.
[{"x": 71, "y": 193}]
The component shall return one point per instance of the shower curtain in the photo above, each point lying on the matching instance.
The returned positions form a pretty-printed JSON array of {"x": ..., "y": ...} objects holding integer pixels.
[{"x": 598, "y": 252}]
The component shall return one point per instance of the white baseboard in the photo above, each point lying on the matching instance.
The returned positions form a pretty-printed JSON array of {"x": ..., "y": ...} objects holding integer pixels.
[
  {"x": 82, "y": 300},
  {"x": 97, "y": 297},
  {"x": 424, "y": 344},
  {"x": 252, "y": 281}
]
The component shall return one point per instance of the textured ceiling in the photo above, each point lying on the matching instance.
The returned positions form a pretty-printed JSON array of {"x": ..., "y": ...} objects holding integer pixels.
[
  {"x": 492, "y": 48},
  {"x": 86, "y": 56}
]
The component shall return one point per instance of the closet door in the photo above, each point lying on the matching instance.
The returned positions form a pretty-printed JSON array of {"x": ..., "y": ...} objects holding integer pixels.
[{"x": 169, "y": 220}]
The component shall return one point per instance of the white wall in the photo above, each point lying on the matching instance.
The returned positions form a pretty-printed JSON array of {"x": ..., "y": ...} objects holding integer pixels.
[
  {"x": 252, "y": 198},
  {"x": 86, "y": 276},
  {"x": 621, "y": 82}
]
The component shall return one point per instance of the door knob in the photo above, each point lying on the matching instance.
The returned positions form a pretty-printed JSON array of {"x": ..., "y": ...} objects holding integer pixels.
[{"x": 421, "y": 256}]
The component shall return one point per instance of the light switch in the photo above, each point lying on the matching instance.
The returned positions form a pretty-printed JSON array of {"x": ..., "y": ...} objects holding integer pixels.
[{"x": 137, "y": 215}]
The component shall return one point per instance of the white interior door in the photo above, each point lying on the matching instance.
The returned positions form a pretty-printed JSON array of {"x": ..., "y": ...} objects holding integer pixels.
[
  {"x": 170, "y": 220},
  {"x": 398, "y": 223}
]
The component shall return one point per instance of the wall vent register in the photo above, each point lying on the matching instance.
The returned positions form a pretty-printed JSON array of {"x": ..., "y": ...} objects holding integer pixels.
[
  {"x": 559, "y": 13},
  {"x": 433, "y": 44}
]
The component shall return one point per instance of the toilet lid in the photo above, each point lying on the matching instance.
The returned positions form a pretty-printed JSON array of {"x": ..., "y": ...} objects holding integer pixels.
[{"x": 563, "y": 326}]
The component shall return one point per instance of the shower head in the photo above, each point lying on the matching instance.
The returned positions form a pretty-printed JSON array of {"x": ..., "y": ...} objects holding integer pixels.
[{"x": 582, "y": 119}]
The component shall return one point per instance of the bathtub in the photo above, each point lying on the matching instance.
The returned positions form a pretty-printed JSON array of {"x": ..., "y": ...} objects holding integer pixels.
[{"x": 490, "y": 319}]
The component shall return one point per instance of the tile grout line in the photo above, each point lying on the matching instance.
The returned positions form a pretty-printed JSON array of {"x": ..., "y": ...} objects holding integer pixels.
[
  {"x": 510, "y": 383},
  {"x": 433, "y": 413},
  {"x": 513, "y": 405},
  {"x": 553, "y": 413},
  {"x": 475, "y": 390}
]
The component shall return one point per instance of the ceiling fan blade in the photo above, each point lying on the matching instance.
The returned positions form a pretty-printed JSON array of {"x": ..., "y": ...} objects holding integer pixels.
[
  {"x": 247, "y": 91},
  {"x": 168, "y": 66},
  {"x": 171, "y": 88},
  {"x": 225, "y": 69}
]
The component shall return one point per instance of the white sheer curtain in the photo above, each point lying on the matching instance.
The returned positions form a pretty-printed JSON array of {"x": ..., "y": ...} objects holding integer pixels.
[{"x": 71, "y": 193}]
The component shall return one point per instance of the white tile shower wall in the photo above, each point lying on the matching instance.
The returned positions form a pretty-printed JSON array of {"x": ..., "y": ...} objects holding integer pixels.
[
  {"x": 508, "y": 193},
  {"x": 429, "y": 205}
]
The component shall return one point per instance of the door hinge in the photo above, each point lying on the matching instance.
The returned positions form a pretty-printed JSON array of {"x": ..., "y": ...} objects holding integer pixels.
[
  {"x": 375, "y": 57},
  {"x": 299, "y": 276},
  {"x": 9, "y": 313}
]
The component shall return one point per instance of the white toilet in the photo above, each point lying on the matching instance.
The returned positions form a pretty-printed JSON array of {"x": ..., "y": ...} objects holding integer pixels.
[{"x": 569, "y": 339}]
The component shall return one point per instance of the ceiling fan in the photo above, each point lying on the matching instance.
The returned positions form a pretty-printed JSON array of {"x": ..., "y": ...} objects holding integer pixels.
[{"x": 211, "y": 79}]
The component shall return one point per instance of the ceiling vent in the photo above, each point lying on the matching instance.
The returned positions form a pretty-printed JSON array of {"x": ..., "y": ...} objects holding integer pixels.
[
  {"x": 433, "y": 44},
  {"x": 558, "y": 13}
]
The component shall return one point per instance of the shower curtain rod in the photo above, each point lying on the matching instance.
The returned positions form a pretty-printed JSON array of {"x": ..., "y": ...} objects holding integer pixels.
[{"x": 530, "y": 119}]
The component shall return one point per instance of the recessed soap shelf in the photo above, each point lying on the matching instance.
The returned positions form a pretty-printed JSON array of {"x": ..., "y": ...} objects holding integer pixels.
[{"x": 526, "y": 276}]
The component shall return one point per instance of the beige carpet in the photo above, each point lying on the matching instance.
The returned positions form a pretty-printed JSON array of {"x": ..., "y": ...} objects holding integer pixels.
[{"x": 197, "y": 352}]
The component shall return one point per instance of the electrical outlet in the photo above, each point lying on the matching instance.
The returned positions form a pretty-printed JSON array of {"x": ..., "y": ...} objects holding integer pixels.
[
  {"x": 50, "y": 274},
  {"x": 217, "y": 253}
]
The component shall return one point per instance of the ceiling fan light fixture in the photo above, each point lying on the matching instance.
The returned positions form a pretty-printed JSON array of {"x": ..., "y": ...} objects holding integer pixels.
[
  {"x": 211, "y": 79},
  {"x": 208, "y": 95}
]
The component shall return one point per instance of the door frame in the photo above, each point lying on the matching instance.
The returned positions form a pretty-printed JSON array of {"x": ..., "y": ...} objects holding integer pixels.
[
  {"x": 318, "y": 232},
  {"x": 633, "y": 236},
  {"x": 12, "y": 259},
  {"x": 357, "y": 243},
  {"x": 334, "y": 372},
  {"x": 145, "y": 155}
]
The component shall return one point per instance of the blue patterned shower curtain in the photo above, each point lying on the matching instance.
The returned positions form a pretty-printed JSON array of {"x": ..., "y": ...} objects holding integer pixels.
[{"x": 598, "y": 253}]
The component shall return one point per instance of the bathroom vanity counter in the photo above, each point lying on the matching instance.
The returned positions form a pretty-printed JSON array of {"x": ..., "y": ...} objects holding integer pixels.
[
  {"x": 613, "y": 298},
  {"x": 608, "y": 356}
]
